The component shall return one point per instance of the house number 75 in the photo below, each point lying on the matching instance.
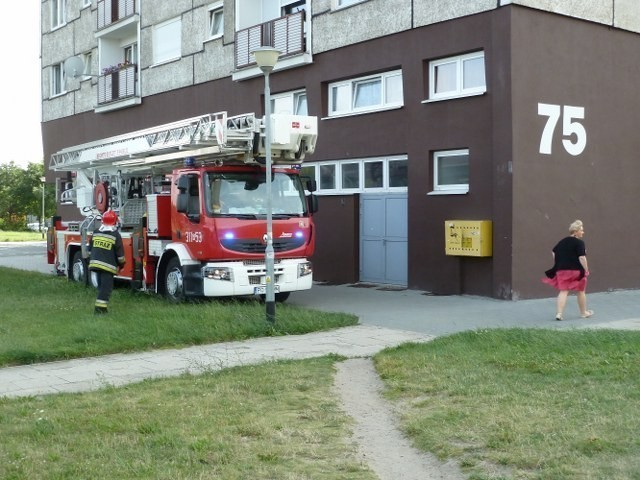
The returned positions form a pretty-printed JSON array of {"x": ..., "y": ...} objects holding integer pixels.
[{"x": 569, "y": 127}]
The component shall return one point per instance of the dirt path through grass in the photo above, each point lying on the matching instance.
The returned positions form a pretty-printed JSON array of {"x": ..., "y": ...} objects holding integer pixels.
[{"x": 381, "y": 445}]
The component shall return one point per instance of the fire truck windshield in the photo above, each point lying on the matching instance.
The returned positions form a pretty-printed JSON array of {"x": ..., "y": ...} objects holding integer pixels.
[{"x": 244, "y": 194}]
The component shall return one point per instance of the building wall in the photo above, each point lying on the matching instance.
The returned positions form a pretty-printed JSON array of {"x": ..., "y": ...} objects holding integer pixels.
[
  {"x": 532, "y": 56},
  {"x": 575, "y": 63}
]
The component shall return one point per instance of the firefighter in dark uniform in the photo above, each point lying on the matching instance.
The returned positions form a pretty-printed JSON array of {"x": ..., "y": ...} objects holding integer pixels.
[{"x": 107, "y": 256}]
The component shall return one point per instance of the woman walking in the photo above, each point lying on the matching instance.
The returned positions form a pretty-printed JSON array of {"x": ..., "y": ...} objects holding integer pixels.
[{"x": 570, "y": 270}]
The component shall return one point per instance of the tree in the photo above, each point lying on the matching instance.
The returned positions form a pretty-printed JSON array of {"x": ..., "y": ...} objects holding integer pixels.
[{"x": 21, "y": 195}]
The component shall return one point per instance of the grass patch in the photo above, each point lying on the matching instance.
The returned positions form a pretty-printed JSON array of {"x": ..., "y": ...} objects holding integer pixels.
[
  {"x": 27, "y": 236},
  {"x": 523, "y": 404},
  {"x": 45, "y": 318},
  {"x": 278, "y": 420}
]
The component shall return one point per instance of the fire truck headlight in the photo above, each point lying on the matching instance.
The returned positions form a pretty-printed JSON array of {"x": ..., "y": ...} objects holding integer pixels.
[
  {"x": 217, "y": 273},
  {"x": 305, "y": 269}
]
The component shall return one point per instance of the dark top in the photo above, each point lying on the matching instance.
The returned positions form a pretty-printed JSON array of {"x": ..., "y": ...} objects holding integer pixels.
[
  {"x": 567, "y": 251},
  {"x": 107, "y": 252}
]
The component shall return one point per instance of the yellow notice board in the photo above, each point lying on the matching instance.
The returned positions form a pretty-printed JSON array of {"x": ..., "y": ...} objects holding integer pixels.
[{"x": 469, "y": 238}]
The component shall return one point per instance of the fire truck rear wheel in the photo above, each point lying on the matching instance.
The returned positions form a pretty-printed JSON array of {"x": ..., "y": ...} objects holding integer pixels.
[
  {"x": 173, "y": 282},
  {"x": 78, "y": 268}
]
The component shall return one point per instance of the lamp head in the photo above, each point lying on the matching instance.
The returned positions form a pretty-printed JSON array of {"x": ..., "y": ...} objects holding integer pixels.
[{"x": 266, "y": 58}]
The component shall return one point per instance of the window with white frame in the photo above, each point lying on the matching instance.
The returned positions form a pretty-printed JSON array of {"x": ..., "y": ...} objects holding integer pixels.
[
  {"x": 365, "y": 94},
  {"x": 451, "y": 171},
  {"x": 292, "y": 103},
  {"x": 457, "y": 76},
  {"x": 86, "y": 3},
  {"x": 216, "y": 20},
  {"x": 58, "y": 13},
  {"x": 167, "y": 41},
  {"x": 131, "y": 53},
  {"x": 57, "y": 79},
  {"x": 87, "y": 60},
  {"x": 364, "y": 175}
]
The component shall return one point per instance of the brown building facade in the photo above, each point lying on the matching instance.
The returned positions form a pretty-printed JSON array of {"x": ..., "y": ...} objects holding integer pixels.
[{"x": 547, "y": 136}]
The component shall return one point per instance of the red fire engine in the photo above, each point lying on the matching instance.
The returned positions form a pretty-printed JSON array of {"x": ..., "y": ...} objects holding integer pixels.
[{"x": 191, "y": 198}]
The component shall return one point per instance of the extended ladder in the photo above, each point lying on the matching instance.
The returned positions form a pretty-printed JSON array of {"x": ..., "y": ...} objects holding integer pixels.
[{"x": 212, "y": 135}]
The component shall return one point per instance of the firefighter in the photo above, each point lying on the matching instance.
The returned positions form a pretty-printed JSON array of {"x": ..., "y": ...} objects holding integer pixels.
[{"x": 107, "y": 257}]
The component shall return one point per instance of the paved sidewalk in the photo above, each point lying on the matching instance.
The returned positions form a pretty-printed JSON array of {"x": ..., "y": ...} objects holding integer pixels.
[{"x": 120, "y": 369}]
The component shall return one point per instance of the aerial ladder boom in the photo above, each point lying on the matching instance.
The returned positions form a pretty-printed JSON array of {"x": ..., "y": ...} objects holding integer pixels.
[{"x": 212, "y": 136}]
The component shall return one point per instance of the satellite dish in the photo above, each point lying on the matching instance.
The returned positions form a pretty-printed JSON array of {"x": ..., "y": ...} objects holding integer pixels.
[{"x": 73, "y": 67}]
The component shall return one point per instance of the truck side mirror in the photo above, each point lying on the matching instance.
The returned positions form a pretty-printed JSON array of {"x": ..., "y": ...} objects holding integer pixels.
[
  {"x": 312, "y": 185},
  {"x": 183, "y": 183},
  {"x": 313, "y": 203}
]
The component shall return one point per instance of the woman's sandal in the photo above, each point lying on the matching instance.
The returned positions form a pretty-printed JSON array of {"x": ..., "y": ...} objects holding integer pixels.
[
  {"x": 559, "y": 317},
  {"x": 587, "y": 314}
]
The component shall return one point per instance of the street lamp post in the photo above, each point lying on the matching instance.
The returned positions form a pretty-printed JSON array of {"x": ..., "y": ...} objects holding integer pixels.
[
  {"x": 266, "y": 58},
  {"x": 42, "y": 179}
]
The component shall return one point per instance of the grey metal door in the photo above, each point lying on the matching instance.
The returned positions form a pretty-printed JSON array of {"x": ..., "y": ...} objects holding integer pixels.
[{"x": 383, "y": 238}]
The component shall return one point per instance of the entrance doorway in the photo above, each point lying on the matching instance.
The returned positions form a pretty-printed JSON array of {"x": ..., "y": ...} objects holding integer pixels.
[{"x": 383, "y": 238}]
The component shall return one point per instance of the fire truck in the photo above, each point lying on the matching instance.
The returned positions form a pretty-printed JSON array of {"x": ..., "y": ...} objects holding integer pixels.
[{"x": 191, "y": 197}]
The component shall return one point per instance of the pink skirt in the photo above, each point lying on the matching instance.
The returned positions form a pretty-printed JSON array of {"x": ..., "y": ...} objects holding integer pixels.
[{"x": 567, "y": 280}]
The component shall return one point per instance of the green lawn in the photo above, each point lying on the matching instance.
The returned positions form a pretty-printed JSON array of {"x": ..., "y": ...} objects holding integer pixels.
[{"x": 504, "y": 404}]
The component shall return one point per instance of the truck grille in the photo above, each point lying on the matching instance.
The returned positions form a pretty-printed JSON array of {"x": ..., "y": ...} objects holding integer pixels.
[{"x": 256, "y": 246}]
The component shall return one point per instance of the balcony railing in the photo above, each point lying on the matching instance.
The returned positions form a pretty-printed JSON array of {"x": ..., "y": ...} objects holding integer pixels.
[
  {"x": 117, "y": 85},
  {"x": 112, "y": 11},
  {"x": 284, "y": 33}
]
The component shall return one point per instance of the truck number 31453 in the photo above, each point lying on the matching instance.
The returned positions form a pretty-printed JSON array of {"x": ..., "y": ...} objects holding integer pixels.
[
  {"x": 570, "y": 128},
  {"x": 193, "y": 237}
]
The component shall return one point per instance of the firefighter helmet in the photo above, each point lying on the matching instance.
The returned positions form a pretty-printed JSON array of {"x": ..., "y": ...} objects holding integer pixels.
[{"x": 109, "y": 218}]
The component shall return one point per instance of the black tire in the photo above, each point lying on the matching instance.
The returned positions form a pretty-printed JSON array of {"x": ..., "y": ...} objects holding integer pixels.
[
  {"x": 282, "y": 296},
  {"x": 78, "y": 271},
  {"x": 173, "y": 282}
]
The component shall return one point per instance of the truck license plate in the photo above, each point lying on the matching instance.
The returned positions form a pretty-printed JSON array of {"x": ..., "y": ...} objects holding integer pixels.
[{"x": 262, "y": 289}]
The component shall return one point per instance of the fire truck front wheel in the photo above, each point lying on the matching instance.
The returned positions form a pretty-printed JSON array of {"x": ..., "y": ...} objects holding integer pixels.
[{"x": 173, "y": 282}]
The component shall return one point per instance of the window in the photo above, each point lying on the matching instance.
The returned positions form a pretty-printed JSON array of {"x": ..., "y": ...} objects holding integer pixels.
[
  {"x": 216, "y": 20},
  {"x": 86, "y": 3},
  {"x": 366, "y": 94},
  {"x": 87, "y": 59},
  {"x": 398, "y": 174},
  {"x": 57, "y": 79},
  {"x": 167, "y": 41},
  {"x": 373, "y": 174},
  {"x": 354, "y": 176},
  {"x": 451, "y": 171},
  {"x": 292, "y": 103},
  {"x": 350, "y": 175},
  {"x": 58, "y": 13},
  {"x": 131, "y": 53},
  {"x": 290, "y": 7},
  {"x": 457, "y": 76}
]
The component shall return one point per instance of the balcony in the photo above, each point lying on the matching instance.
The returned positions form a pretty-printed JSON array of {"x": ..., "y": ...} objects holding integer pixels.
[
  {"x": 112, "y": 11},
  {"x": 287, "y": 34},
  {"x": 117, "y": 85}
]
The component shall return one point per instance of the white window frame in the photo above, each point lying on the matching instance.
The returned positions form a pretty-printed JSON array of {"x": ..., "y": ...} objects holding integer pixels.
[
  {"x": 86, "y": 3},
  {"x": 340, "y": 189},
  {"x": 349, "y": 88},
  {"x": 213, "y": 10},
  {"x": 164, "y": 34},
  {"x": 58, "y": 13},
  {"x": 459, "y": 90},
  {"x": 57, "y": 79},
  {"x": 448, "y": 189},
  {"x": 292, "y": 99},
  {"x": 87, "y": 59}
]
